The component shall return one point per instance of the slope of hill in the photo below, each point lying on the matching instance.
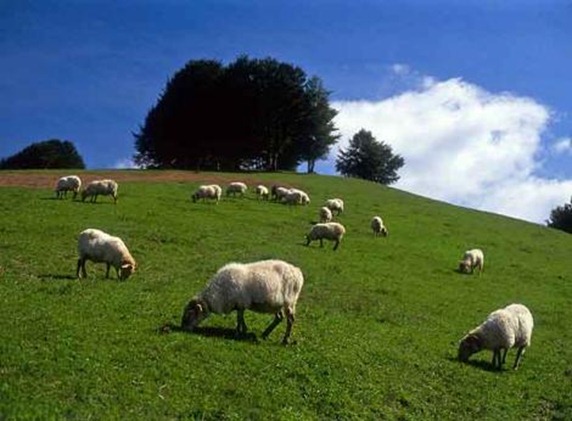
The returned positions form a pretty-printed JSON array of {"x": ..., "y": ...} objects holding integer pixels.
[{"x": 378, "y": 320}]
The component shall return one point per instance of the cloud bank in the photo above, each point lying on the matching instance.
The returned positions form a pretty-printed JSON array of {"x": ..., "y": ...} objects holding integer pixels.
[{"x": 463, "y": 145}]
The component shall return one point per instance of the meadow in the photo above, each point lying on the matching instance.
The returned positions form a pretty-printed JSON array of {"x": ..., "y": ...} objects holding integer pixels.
[{"x": 378, "y": 321}]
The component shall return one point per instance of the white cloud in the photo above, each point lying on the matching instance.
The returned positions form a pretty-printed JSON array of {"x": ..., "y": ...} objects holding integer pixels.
[
  {"x": 463, "y": 144},
  {"x": 125, "y": 163},
  {"x": 563, "y": 145}
]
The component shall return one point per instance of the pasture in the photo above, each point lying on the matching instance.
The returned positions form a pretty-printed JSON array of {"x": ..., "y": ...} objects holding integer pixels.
[{"x": 378, "y": 320}]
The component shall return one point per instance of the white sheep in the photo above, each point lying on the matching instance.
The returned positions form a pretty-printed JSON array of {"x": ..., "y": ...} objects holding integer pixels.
[
  {"x": 378, "y": 227},
  {"x": 335, "y": 205},
  {"x": 325, "y": 214},
  {"x": 332, "y": 231},
  {"x": 236, "y": 187},
  {"x": 68, "y": 183},
  {"x": 279, "y": 193},
  {"x": 267, "y": 286},
  {"x": 100, "y": 247},
  {"x": 211, "y": 191},
  {"x": 262, "y": 192},
  {"x": 296, "y": 197},
  {"x": 100, "y": 187},
  {"x": 472, "y": 259},
  {"x": 504, "y": 329}
]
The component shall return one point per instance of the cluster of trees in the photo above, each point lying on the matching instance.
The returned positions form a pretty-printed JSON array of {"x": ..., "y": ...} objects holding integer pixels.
[
  {"x": 561, "y": 217},
  {"x": 251, "y": 114},
  {"x": 49, "y": 154}
]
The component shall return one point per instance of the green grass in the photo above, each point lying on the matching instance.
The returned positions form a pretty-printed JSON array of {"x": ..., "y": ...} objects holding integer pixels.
[{"x": 377, "y": 326}]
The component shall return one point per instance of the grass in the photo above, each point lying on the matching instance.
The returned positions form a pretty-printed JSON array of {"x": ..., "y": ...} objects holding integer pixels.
[{"x": 377, "y": 326}]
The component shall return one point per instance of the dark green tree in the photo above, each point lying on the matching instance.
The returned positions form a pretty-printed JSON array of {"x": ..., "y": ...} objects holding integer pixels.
[
  {"x": 369, "y": 159},
  {"x": 561, "y": 217},
  {"x": 52, "y": 153},
  {"x": 251, "y": 114}
]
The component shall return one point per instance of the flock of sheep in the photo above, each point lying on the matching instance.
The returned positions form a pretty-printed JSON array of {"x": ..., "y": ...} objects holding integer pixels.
[{"x": 273, "y": 286}]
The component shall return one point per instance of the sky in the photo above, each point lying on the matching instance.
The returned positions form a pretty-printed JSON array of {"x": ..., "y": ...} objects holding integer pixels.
[{"x": 474, "y": 95}]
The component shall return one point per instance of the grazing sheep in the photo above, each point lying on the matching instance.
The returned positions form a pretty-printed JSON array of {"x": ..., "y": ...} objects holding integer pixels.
[
  {"x": 325, "y": 214},
  {"x": 335, "y": 205},
  {"x": 235, "y": 188},
  {"x": 100, "y": 187},
  {"x": 377, "y": 226},
  {"x": 100, "y": 247},
  {"x": 68, "y": 183},
  {"x": 504, "y": 329},
  {"x": 296, "y": 197},
  {"x": 211, "y": 191},
  {"x": 472, "y": 258},
  {"x": 267, "y": 286},
  {"x": 332, "y": 231},
  {"x": 262, "y": 192},
  {"x": 279, "y": 193}
]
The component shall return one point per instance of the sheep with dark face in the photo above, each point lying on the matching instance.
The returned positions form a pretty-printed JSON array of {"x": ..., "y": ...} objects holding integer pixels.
[
  {"x": 472, "y": 259},
  {"x": 267, "y": 286},
  {"x": 335, "y": 205},
  {"x": 378, "y": 227},
  {"x": 332, "y": 231},
  {"x": 69, "y": 183},
  {"x": 100, "y": 187},
  {"x": 211, "y": 191},
  {"x": 236, "y": 187},
  {"x": 503, "y": 329}
]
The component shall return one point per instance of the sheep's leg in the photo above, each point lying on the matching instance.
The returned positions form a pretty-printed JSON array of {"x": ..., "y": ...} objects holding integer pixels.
[
  {"x": 277, "y": 319},
  {"x": 321, "y": 242},
  {"x": 80, "y": 265},
  {"x": 240, "y": 323},
  {"x": 336, "y": 244},
  {"x": 289, "y": 323},
  {"x": 519, "y": 354},
  {"x": 107, "y": 271},
  {"x": 496, "y": 359},
  {"x": 504, "y": 356}
]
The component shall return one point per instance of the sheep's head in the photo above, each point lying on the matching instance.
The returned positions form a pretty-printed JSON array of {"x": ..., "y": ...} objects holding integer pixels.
[
  {"x": 464, "y": 266},
  {"x": 195, "y": 312},
  {"x": 194, "y": 197},
  {"x": 126, "y": 270},
  {"x": 384, "y": 232},
  {"x": 468, "y": 346}
]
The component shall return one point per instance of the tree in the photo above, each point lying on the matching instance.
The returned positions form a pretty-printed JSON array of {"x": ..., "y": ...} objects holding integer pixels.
[
  {"x": 52, "y": 153},
  {"x": 368, "y": 159},
  {"x": 251, "y": 114},
  {"x": 561, "y": 217}
]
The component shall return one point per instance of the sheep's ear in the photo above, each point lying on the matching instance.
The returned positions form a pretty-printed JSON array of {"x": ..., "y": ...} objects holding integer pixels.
[{"x": 199, "y": 308}]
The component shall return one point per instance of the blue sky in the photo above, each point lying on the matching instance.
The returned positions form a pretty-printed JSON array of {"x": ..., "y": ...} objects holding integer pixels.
[{"x": 474, "y": 94}]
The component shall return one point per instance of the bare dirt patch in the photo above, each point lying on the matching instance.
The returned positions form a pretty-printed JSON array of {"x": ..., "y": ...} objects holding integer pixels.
[{"x": 47, "y": 179}]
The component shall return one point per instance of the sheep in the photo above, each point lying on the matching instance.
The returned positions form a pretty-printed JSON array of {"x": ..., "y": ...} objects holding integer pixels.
[
  {"x": 262, "y": 192},
  {"x": 279, "y": 193},
  {"x": 296, "y": 197},
  {"x": 504, "y": 329},
  {"x": 211, "y": 191},
  {"x": 68, "y": 183},
  {"x": 377, "y": 226},
  {"x": 235, "y": 188},
  {"x": 335, "y": 205},
  {"x": 100, "y": 247},
  {"x": 325, "y": 214},
  {"x": 267, "y": 286},
  {"x": 471, "y": 259},
  {"x": 332, "y": 231},
  {"x": 100, "y": 187}
]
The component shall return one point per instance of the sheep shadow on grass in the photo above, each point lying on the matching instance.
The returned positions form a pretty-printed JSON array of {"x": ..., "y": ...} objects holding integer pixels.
[
  {"x": 210, "y": 332},
  {"x": 481, "y": 364},
  {"x": 50, "y": 276}
]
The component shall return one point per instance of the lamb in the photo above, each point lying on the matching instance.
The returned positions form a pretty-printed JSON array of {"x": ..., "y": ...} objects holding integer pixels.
[
  {"x": 325, "y": 214},
  {"x": 377, "y": 226},
  {"x": 332, "y": 231},
  {"x": 68, "y": 183},
  {"x": 267, "y": 286},
  {"x": 262, "y": 192},
  {"x": 296, "y": 197},
  {"x": 100, "y": 187},
  {"x": 335, "y": 205},
  {"x": 100, "y": 247},
  {"x": 505, "y": 328},
  {"x": 235, "y": 188},
  {"x": 211, "y": 191},
  {"x": 472, "y": 259}
]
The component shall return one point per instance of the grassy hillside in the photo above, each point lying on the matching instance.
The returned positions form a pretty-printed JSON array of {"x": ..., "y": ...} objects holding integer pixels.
[{"x": 377, "y": 326}]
